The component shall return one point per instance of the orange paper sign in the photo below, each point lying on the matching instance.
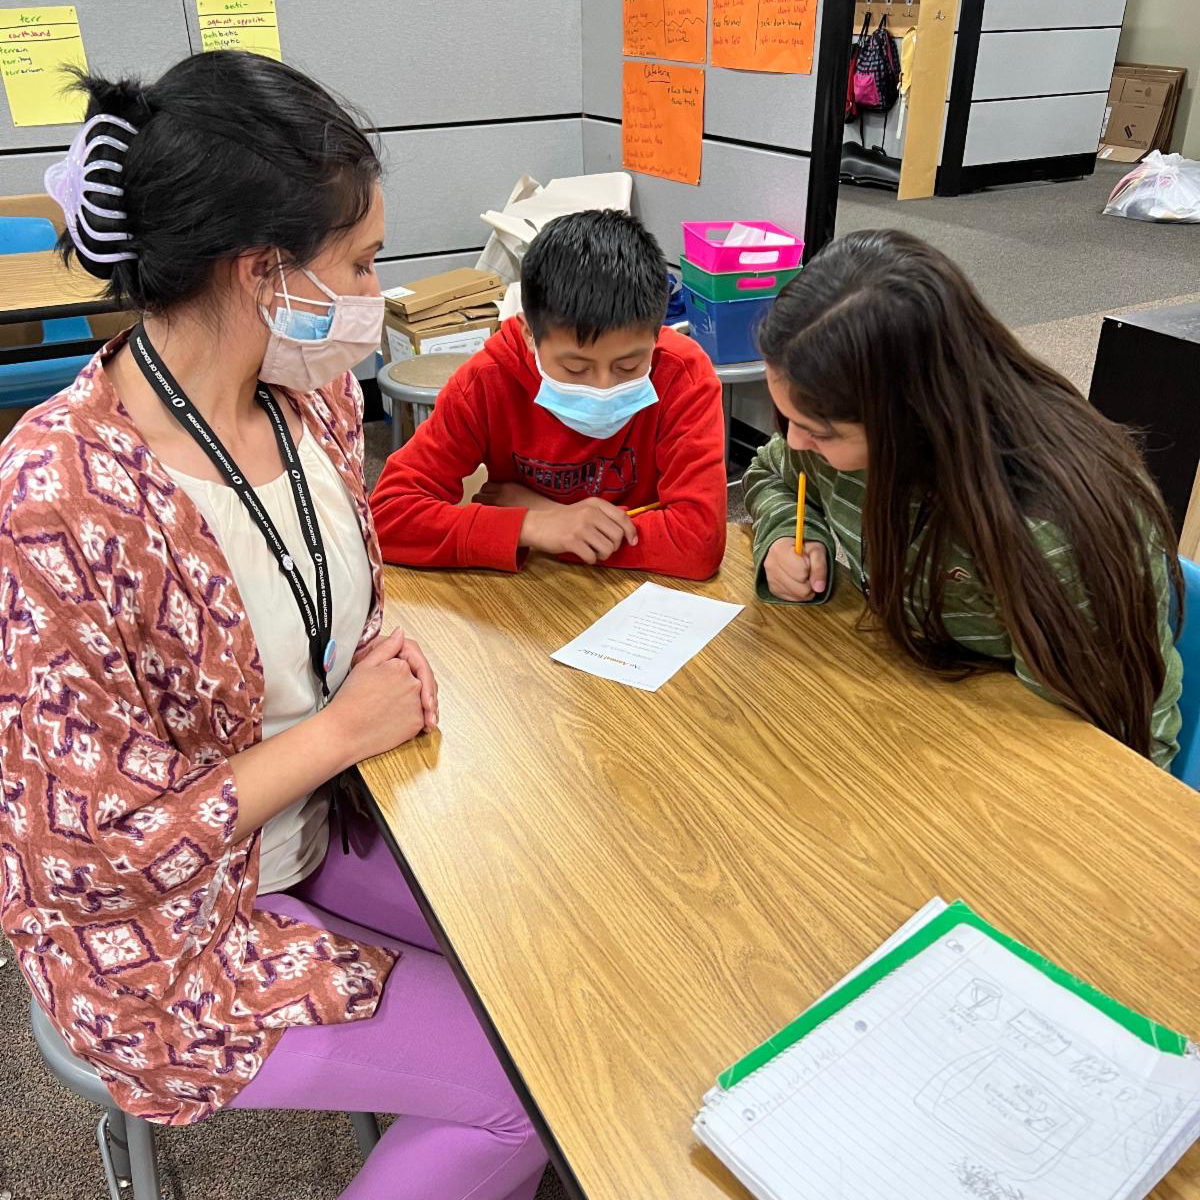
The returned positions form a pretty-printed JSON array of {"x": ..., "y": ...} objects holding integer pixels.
[
  {"x": 764, "y": 35},
  {"x": 674, "y": 29},
  {"x": 662, "y": 125}
]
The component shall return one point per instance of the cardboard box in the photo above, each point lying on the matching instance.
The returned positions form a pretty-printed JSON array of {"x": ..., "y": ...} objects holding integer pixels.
[
  {"x": 1130, "y": 128},
  {"x": 417, "y": 298},
  {"x": 1167, "y": 128},
  {"x": 482, "y": 312},
  {"x": 435, "y": 324},
  {"x": 1142, "y": 103},
  {"x": 461, "y": 304},
  {"x": 1145, "y": 90},
  {"x": 403, "y": 340}
]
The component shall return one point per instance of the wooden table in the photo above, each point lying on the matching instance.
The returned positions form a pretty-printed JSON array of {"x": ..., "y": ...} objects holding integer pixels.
[
  {"x": 38, "y": 287},
  {"x": 637, "y": 888}
]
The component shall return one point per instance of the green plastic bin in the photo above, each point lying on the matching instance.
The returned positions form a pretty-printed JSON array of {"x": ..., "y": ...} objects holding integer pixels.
[{"x": 735, "y": 285}]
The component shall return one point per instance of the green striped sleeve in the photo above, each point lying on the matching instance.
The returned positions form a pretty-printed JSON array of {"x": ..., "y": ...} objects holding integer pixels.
[
  {"x": 1165, "y": 721},
  {"x": 770, "y": 486}
]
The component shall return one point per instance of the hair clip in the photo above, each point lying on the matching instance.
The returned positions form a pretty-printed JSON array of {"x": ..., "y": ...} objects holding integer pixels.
[{"x": 68, "y": 180}]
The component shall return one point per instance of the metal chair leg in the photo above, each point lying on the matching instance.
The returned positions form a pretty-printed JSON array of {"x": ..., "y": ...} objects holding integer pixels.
[
  {"x": 366, "y": 1130},
  {"x": 108, "y": 1154},
  {"x": 118, "y": 1143},
  {"x": 142, "y": 1159}
]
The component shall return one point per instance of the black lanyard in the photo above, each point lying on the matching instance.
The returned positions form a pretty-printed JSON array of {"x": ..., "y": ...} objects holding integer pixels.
[{"x": 318, "y": 617}]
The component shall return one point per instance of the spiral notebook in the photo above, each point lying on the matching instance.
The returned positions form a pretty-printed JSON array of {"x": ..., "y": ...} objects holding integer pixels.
[{"x": 956, "y": 1064}]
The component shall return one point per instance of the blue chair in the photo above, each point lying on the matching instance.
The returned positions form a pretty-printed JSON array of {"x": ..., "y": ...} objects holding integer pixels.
[
  {"x": 27, "y": 383},
  {"x": 1187, "y": 762}
]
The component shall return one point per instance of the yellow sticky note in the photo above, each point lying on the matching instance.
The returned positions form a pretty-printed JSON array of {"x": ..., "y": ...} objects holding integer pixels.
[
  {"x": 35, "y": 45},
  {"x": 239, "y": 25}
]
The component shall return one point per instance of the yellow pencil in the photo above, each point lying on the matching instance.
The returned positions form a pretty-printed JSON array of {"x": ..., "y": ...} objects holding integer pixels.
[
  {"x": 637, "y": 512},
  {"x": 800, "y": 486}
]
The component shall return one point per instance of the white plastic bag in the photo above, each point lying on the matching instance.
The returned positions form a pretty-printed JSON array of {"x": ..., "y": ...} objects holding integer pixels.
[
  {"x": 530, "y": 206},
  {"x": 1162, "y": 187}
]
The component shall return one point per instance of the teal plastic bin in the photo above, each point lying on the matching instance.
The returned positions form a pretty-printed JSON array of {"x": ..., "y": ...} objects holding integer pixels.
[{"x": 735, "y": 285}]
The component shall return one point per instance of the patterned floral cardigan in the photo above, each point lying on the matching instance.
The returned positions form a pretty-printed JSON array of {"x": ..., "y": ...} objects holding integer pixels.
[{"x": 129, "y": 676}]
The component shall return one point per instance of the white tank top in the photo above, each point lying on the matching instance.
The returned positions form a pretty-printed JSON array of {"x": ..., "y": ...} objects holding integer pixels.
[{"x": 294, "y": 841}]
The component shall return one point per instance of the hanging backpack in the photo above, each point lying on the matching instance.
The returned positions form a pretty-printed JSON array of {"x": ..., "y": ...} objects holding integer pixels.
[
  {"x": 851, "y": 103},
  {"x": 875, "y": 74}
]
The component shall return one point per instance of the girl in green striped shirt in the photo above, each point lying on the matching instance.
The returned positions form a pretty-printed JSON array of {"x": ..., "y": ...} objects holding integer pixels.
[{"x": 985, "y": 509}]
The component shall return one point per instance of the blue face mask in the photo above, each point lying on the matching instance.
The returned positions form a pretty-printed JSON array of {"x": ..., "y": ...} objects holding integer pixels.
[
  {"x": 301, "y": 325},
  {"x": 594, "y": 412},
  {"x": 298, "y": 323}
]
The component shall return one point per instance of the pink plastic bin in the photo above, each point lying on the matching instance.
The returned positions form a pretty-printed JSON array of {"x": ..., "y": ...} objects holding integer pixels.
[{"x": 702, "y": 246}]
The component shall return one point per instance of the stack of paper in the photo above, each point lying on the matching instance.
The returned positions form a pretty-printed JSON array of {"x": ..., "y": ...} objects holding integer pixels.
[{"x": 958, "y": 1065}]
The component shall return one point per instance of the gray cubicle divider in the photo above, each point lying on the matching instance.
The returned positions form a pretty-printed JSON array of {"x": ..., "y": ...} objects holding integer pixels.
[
  {"x": 438, "y": 180},
  {"x": 430, "y": 63},
  {"x": 738, "y": 182},
  {"x": 1029, "y": 91},
  {"x": 22, "y": 173},
  {"x": 1027, "y": 94},
  {"x": 135, "y": 37},
  {"x": 466, "y": 100},
  {"x": 758, "y": 135},
  {"x": 744, "y": 106}
]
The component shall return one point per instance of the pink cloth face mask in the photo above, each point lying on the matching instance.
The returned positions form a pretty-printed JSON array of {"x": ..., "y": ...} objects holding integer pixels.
[{"x": 302, "y": 355}]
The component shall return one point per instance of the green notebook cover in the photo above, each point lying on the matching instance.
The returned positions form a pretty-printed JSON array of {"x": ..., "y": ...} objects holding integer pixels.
[{"x": 955, "y": 914}]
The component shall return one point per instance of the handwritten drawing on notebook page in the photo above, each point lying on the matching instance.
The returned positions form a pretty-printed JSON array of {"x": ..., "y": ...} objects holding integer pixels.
[{"x": 965, "y": 1074}]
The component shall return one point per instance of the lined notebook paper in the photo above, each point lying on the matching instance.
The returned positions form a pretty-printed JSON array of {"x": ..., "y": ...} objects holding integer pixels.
[{"x": 958, "y": 1065}]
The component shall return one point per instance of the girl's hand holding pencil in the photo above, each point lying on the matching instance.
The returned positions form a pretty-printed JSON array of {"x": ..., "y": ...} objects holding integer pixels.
[
  {"x": 797, "y": 570},
  {"x": 796, "y": 577}
]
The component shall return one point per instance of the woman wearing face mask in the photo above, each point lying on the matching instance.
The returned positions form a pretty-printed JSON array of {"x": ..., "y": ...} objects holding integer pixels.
[{"x": 191, "y": 586}]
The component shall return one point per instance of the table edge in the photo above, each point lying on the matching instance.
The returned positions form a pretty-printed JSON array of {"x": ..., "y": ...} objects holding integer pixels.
[
  {"x": 49, "y": 312},
  {"x": 558, "y": 1158}
]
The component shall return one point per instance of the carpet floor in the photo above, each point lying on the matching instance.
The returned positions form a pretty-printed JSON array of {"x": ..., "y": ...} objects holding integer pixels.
[
  {"x": 1049, "y": 264},
  {"x": 1042, "y": 253}
]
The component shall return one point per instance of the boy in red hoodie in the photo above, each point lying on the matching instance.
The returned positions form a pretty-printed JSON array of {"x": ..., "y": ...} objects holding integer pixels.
[{"x": 581, "y": 409}]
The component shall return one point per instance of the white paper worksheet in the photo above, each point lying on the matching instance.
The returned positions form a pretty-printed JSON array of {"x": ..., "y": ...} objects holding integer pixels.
[
  {"x": 966, "y": 1074},
  {"x": 646, "y": 638}
]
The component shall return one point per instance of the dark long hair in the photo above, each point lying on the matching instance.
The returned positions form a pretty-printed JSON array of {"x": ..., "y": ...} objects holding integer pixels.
[
  {"x": 233, "y": 152},
  {"x": 883, "y": 330}
]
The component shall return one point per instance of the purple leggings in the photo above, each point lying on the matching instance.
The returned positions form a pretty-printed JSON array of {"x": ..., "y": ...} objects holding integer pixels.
[{"x": 460, "y": 1132}]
